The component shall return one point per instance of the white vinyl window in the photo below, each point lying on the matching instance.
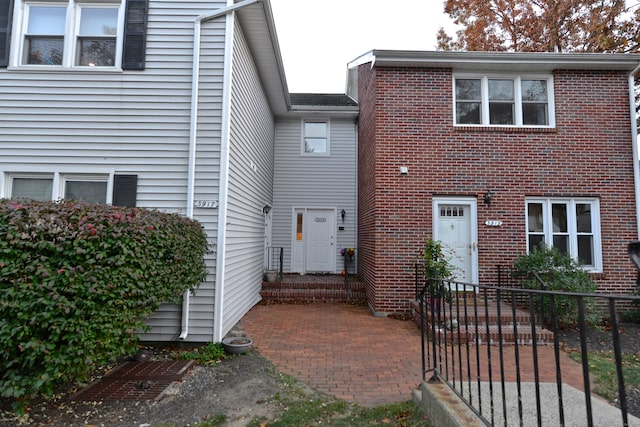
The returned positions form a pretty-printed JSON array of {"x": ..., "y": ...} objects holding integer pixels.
[
  {"x": 71, "y": 33},
  {"x": 43, "y": 187},
  {"x": 503, "y": 101},
  {"x": 315, "y": 139},
  {"x": 571, "y": 225}
]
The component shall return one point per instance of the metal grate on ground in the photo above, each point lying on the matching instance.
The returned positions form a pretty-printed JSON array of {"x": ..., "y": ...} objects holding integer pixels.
[{"x": 136, "y": 381}]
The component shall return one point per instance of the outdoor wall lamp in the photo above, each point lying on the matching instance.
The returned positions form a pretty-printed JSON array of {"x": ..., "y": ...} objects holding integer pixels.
[
  {"x": 343, "y": 213},
  {"x": 488, "y": 196},
  {"x": 266, "y": 209},
  {"x": 633, "y": 249}
]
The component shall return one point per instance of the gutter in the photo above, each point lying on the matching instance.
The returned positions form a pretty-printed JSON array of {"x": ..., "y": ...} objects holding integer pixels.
[
  {"x": 634, "y": 144},
  {"x": 193, "y": 143}
]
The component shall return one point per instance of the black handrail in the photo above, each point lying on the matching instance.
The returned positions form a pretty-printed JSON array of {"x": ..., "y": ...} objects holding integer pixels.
[{"x": 454, "y": 329}]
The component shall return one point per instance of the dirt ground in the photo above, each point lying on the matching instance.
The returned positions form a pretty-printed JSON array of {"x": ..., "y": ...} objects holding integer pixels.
[{"x": 242, "y": 388}]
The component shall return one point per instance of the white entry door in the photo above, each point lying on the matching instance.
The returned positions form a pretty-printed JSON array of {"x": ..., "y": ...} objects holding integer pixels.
[
  {"x": 455, "y": 226},
  {"x": 320, "y": 250}
]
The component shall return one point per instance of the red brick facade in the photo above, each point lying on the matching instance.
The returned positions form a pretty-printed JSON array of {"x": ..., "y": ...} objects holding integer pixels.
[{"x": 406, "y": 119}]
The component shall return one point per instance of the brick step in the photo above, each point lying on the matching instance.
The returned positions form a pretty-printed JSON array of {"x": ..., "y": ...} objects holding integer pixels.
[
  {"x": 481, "y": 314},
  {"x": 308, "y": 295},
  {"x": 468, "y": 333},
  {"x": 461, "y": 334},
  {"x": 337, "y": 285}
]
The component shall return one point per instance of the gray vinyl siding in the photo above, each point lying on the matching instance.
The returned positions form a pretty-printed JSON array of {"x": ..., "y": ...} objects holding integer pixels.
[
  {"x": 250, "y": 185},
  {"x": 131, "y": 122},
  {"x": 318, "y": 182}
]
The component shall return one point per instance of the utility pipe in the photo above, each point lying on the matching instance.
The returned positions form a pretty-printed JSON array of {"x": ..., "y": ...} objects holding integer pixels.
[{"x": 193, "y": 143}]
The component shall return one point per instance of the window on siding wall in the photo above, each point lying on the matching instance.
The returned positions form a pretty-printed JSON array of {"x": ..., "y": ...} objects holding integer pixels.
[
  {"x": 75, "y": 34},
  {"x": 503, "y": 101},
  {"x": 571, "y": 225},
  {"x": 35, "y": 187},
  {"x": 43, "y": 187},
  {"x": 316, "y": 138},
  {"x": 71, "y": 33}
]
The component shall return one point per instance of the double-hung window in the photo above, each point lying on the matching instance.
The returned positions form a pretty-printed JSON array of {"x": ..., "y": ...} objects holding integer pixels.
[
  {"x": 503, "y": 101},
  {"x": 315, "y": 138},
  {"x": 72, "y": 33},
  {"x": 570, "y": 225}
]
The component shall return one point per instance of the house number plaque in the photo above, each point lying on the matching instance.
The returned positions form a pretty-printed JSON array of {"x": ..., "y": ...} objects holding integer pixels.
[
  {"x": 493, "y": 223},
  {"x": 206, "y": 204}
]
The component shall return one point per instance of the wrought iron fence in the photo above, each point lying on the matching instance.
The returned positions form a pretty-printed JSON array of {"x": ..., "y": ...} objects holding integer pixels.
[{"x": 506, "y": 364}]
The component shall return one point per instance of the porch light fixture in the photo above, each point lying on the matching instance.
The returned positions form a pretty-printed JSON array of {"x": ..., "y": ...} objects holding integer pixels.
[
  {"x": 488, "y": 196},
  {"x": 343, "y": 213},
  {"x": 266, "y": 209},
  {"x": 633, "y": 249}
]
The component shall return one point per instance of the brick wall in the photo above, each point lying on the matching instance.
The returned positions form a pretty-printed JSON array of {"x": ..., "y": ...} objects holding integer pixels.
[{"x": 407, "y": 120}]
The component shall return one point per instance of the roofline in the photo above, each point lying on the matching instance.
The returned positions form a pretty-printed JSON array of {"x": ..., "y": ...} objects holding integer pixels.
[
  {"x": 334, "y": 111},
  {"x": 267, "y": 16},
  {"x": 451, "y": 59}
]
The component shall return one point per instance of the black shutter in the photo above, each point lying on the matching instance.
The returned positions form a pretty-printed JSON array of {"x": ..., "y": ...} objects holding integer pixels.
[
  {"x": 135, "y": 34},
  {"x": 125, "y": 190},
  {"x": 6, "y": 16}
]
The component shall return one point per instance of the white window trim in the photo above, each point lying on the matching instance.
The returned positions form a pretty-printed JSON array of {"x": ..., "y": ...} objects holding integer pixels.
[
  {"x": 302, "y": 141},
  {"x": 59, "y": 181},
  {"x": 72, "y": 25},
  {"x": 546, "y": 202},
  {"x": 484, "y": 112}
]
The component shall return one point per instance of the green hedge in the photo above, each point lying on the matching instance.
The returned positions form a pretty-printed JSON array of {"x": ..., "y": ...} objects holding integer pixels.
[{"x": 78, "y": 280}]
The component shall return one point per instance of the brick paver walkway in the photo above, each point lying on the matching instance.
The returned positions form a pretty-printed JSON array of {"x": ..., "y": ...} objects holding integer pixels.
[
  {"x": 340, "y": 349},
  {"x": 344, "y": 351}
]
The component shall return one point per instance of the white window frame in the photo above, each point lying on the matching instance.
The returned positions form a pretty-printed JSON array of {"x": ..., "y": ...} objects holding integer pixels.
[
  {"x": 59, "y": 182},
  {"x": 72, "y": 28},
  {"x": 548, "y": 232},
  {"x": 10, "y": 177},
  {"x": 517, "y": 79},
  {"x": 303, "y": 151}
]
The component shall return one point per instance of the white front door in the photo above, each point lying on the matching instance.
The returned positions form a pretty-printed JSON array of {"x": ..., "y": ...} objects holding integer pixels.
[
  {"x": 313, "y": 245},
  {"x": 320, "y": 243},
  {"x": 455, "y": 227}
]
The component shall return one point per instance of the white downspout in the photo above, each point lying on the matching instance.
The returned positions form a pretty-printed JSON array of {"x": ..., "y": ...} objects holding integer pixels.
[
  {"x": 634, "y": 145},
  {"x": 193, "y": 143}
]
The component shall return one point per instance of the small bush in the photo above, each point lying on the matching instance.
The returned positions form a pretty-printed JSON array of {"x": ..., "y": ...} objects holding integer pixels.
[
  {"x": 78, "y": 280},
  {"x": 560, "y": 273},
  {"x": 207, "y": 355}
]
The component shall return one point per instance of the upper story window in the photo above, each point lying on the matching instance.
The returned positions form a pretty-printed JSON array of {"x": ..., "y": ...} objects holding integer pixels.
[
  {"x": 570, "y": 225},
  {"x": 315, "y": 138},
  {"x": 504, "y": 101},
  {"x": 74, "y": 34}
]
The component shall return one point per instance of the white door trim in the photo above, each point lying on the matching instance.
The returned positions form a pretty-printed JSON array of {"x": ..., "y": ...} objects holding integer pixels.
[{"x": 472, "y": 202}]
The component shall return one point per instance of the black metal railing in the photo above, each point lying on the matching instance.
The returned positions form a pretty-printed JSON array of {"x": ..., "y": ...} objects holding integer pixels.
[
  {"x": 275, "y": 261},
  {"x": 505, "y": 364}
]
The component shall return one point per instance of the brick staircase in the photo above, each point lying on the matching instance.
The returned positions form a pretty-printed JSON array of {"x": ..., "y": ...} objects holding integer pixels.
[
  {"x": 458, "y": 320},
  {"x": 296, "y": 288}
]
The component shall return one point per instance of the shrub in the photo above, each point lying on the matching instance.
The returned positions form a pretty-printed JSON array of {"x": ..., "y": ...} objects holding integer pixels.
[
  {"x": 560, "y": 273},
  {"x": 436, "y": 264},
  {"x": 79, "y": 280}
]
